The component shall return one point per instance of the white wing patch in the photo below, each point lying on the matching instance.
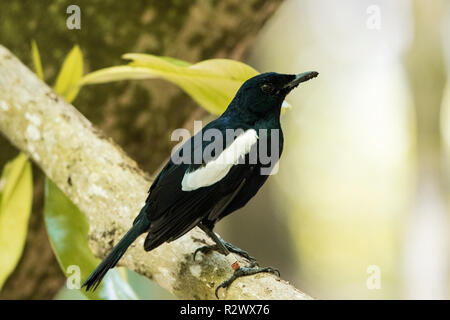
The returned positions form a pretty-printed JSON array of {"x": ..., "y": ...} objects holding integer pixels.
[{"x": 215, "y": 170}]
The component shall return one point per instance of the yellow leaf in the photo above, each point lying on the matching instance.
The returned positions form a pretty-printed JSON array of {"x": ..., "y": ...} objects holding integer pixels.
[
  {"x": 16, "y": 192},
  {"x": 116, "y": 74},
  {"x": 67, "y": 82},
  {"x": 211, "y": 83},
  {"x": 36, "y": 60}
]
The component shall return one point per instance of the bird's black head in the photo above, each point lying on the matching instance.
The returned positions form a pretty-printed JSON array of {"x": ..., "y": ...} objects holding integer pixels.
[{"x": 265, "y": 92}]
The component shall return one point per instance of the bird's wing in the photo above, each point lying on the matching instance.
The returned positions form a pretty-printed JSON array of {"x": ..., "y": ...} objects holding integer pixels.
[
  {"x": 216, "y": 169},
  {"x": 183, "y": 194},
  {"x": 222, "y": 205}
]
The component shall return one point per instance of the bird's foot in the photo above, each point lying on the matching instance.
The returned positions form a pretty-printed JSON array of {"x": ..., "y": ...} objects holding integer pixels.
[
  {"x": 241, "y": 252},
  {"x": 245, "y": 271},
  {"x": 207, "y": 249}
]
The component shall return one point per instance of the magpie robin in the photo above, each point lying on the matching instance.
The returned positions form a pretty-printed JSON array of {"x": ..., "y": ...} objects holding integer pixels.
[{"x": 199, "y": 191}]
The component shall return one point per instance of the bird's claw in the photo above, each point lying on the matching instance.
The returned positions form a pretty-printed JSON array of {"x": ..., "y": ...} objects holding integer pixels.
[{"x": 245, "y": 271}]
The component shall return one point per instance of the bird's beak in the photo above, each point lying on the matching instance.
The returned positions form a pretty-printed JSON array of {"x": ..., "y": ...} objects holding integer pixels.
[{"x": 299, "y": 78}]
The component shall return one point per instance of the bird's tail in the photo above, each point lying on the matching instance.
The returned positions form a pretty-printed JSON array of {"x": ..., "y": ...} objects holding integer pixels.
[{"x": 139, "y": 227}]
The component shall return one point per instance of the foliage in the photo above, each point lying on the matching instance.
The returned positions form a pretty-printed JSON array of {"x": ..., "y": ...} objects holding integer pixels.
[
  {"x": 211, "y": 83},
  {"x": 68, "y": 231},
  {"x": 37, "y": 60},
  {"x": 16, "y": 195},
  {"x": 71, "y": 72}
]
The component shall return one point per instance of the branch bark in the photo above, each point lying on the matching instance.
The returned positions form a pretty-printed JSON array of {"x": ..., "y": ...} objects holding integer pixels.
[{"x": 110, "y": 189}]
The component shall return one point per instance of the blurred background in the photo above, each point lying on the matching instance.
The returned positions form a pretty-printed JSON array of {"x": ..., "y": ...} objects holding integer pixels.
[{"x": 359, "y": 206}]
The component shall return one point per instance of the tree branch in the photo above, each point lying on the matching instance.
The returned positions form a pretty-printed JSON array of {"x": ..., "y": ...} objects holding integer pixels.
[{"x": 110, "y": 189}]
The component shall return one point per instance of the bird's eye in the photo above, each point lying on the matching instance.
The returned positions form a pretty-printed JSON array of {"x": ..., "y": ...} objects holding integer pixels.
[{"x": 267, "y": 88}]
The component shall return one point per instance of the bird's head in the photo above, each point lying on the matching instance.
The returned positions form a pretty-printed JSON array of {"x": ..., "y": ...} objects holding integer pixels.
[{"x": 266, "y": 92}]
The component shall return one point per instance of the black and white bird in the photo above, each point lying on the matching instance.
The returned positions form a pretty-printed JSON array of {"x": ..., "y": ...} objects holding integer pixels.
[{"x": 199, "y": 191}]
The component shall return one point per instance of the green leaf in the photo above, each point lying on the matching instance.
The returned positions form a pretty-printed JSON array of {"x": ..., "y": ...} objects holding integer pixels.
[
  {"x": 36, "y": 60},
  {"x": 211, "y": 83},
  {"x": 68, "y": 228},
  {"x": 67, "y": 82},
  {"x": 16, "y": 195}
]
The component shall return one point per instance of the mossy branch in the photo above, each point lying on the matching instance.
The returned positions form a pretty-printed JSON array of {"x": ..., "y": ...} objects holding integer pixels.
[{"x": 110, "y": 189}]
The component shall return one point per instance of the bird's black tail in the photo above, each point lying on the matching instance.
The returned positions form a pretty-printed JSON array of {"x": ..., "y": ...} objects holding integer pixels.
[{"x": 139, "y": 227}]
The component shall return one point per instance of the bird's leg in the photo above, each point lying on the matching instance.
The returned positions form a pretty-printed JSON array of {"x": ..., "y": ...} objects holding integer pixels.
[
  {"x": 240, "y": 252},
  {"x": 226, "y": 248},
  {"x": 222, "y": 246},
  {"x": 218, "y": 246}
]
